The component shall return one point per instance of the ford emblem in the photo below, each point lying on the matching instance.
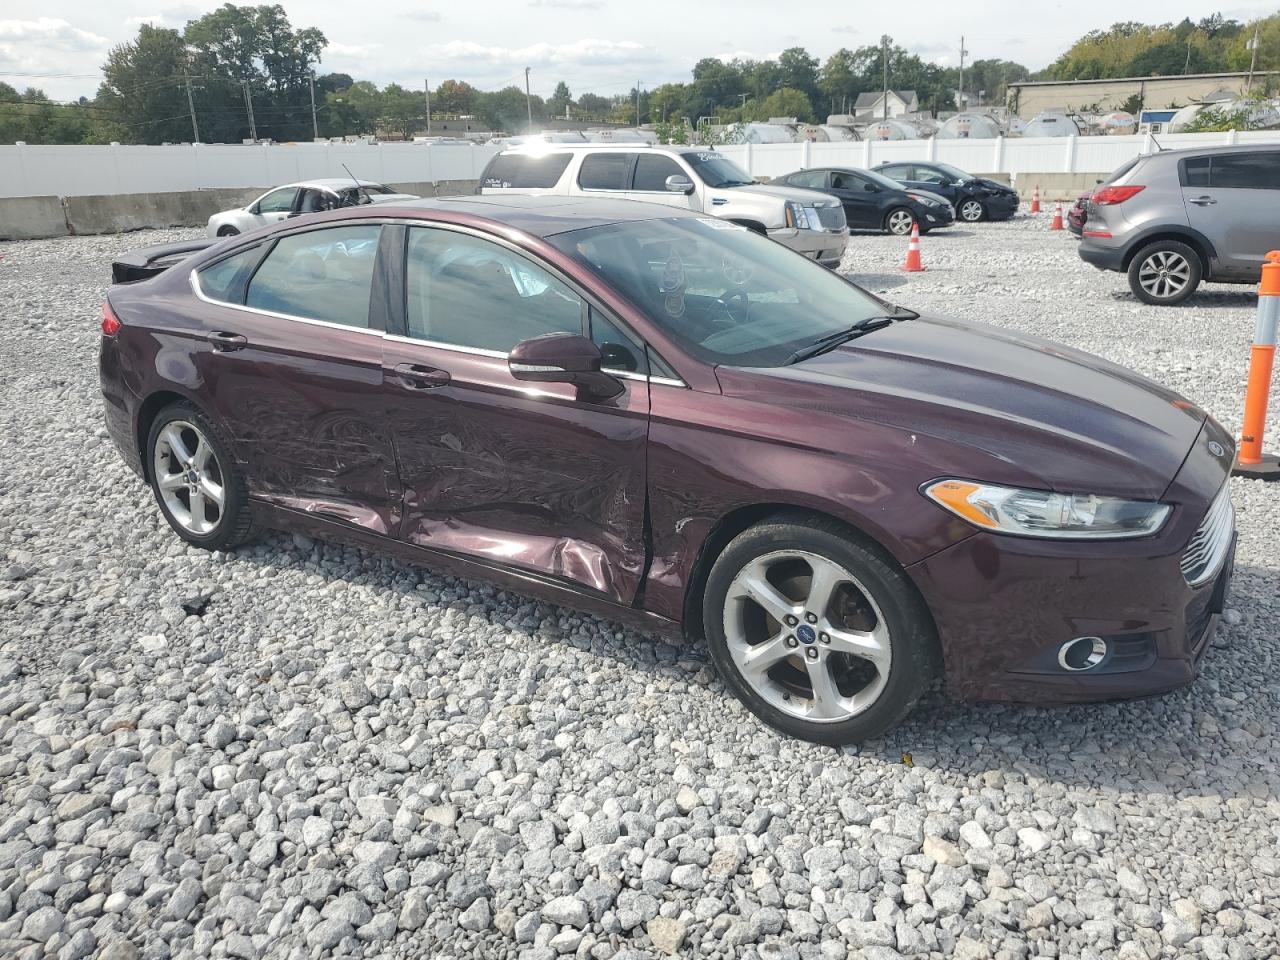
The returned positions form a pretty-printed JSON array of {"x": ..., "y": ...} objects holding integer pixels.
[{"x": 1217, "y": 449}]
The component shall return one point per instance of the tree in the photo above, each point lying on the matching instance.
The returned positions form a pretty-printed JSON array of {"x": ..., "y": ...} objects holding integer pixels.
[
  {"x": 401, "y": 110},
  {"x": 593, "y": 105},
  {"x": 505, "y": 109},
  {"x": 561, "y": 100},
  {"x": 787, "y": 102},
  {"x": 143, "y": 88},
  {"x": 839, "y": 80},
  {"x": 666, "y": 103},
  {"x": 454, "y": 97},
  {"x": 799, "y": 71},
  {"x": 356, "y": 109}
]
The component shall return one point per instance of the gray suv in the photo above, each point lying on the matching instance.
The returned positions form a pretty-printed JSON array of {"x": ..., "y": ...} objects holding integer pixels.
[{"x": 1174, "y": 218}]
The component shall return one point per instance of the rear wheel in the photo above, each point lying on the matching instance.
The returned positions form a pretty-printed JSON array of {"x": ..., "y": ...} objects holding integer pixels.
[
  {"x": 196, "y": 483},
  {"x": 817, "y": 634},
  {"x": 1165, "y": 272},
  {"x": 971, "y": 211},
  {"x": 899, "y": 221},
  {"x": 228, "y": 232}
]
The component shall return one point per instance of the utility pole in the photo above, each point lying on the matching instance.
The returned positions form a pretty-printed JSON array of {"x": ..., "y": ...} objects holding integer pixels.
[
  {"x": 1253, "y": 60},
  {"x": 191, "y": 105},
  {"x": 963, "y": 52},
  {"x": 884, "y": 58},
  {"x": 528, "y": 98},
  {"x": 637, "y": 104},
  {"x": 426, "y": 86},
  {"x": 1186, "y": 67},
  {"x": 315, "y": 126},
  {"x": 248, "y": 106}
]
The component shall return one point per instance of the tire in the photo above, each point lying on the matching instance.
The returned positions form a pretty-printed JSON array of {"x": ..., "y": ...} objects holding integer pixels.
[
  {"x": 898, "y": 221},
  {"x": 1165, "y": 272},
  {"x": 178, "y": 437},
  {"x": 228, "y": 232},
  {"x": 971, "y": 211},
  {"x": 870, "y": 606}
]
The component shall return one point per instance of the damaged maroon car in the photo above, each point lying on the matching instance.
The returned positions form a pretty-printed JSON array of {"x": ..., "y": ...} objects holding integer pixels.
[{"x": 666, "y": 420}]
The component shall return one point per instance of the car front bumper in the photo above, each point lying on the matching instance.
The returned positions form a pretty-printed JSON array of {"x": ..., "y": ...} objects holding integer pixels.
[
  {"x": 1001, "y": 206},
  {"x": 1004, "y": 606},
  {"x": 825, "y": 246},
  {"x": 930, "y": 218}
]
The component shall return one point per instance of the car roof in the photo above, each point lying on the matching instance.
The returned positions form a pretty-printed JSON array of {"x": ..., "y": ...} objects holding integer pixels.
[
  {"x": 541, "y": 216},
  {"x": 545, "y": 148},
  {"x": 1201, "y": 151},
  {"x": 331, "y": 183}
]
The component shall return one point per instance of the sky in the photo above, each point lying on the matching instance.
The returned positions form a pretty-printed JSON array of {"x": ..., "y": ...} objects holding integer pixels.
[{"x": 601, "y": 46}]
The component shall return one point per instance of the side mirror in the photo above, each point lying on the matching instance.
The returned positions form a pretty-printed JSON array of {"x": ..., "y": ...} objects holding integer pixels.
[
  {"x": 871, "y": 188},
  {"x": 677, "y": 183},
  {"x": 255, "y": 209},
  {"x": 563, "y": 358}
]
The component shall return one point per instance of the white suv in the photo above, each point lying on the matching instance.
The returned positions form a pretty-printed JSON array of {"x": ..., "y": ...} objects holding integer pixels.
[{"x": 691, "y": 178}]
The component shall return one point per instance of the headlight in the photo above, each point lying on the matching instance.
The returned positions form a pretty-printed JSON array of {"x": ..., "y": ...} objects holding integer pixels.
[
  {"x": 1042, "y": 513},
  {"x": 795, "y": 215}
]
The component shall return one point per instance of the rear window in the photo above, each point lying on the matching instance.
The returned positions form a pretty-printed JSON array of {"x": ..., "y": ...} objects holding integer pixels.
[
  {"x": 515, "y": 170},
  {"x": 604, "y": 171},
  {"x": 1120, "y": 172}
]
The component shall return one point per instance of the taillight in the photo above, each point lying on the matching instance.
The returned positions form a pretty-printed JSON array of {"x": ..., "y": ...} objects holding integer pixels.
[
  {"x": 110, "y": 322},
  {"x": 1110, "y": 196}
]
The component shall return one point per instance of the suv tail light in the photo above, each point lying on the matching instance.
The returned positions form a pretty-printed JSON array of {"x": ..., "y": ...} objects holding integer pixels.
[
  {"x": 1109, "y": 196},
  {"x": 110, "y": 322}
]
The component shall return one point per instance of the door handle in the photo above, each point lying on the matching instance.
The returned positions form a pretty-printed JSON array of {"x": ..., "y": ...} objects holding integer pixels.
[
  {"x": 415, "y": 376},
  {"x": 1202, "y": 201},
  {"x": 224, "y": 342}
]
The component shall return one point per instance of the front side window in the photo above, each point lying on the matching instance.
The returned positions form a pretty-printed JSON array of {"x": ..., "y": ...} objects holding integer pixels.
[
  {"x": 652, "y": 170},
  {"x": 1245, "y": 171},
  {"x": 925, "y": 175},
  {"x": 604, "y": 171},
  {"x": 524, "y": 171},
  {"x": 278, "y": 201},
  {"x": 726, "y": 294},
  {"x": 847, "y": 181},
  {"x": 618, "y": 350},
  {"x": 468, "y": 292},
  {"x": 224, "y": 280},
  {"x": 319, "y": 275},
  {"x": 813, "y": 179}
]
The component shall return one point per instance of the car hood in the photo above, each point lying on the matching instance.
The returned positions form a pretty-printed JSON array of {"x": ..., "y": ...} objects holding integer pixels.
[
  {"x": 997, "y": 406},
  {"x": 995, "y": 185},
  {"x": 808, "y": 198}
]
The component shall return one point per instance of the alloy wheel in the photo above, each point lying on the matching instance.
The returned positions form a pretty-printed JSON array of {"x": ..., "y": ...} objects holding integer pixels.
[
  {"x": 971, "y": 211},
  {"x": 189, "y": 477},
  {"x": 1164, "y": 274},
  {"x": 900, "y": 222},
  {"x": 807, "y": 636}
]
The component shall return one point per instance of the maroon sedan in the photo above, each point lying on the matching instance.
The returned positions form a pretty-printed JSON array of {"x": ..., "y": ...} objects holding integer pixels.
[{"x": 665, "y": 419}]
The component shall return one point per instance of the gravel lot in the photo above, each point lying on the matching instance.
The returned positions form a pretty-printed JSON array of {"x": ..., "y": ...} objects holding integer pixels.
[{"x": 344, "y": 756}]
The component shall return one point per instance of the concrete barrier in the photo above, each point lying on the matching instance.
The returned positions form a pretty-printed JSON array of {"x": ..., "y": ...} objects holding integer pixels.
[
  {"x": 31, "y": 218},
  {"x": 1057, "y": 186}
]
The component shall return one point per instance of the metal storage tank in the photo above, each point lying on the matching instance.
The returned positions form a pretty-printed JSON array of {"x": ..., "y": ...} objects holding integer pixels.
[{"x": 969, "y": 126}]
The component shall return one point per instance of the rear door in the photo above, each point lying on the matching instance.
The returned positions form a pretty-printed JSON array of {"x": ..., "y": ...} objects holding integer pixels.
[
  {"x": 606, "y": 173},
  {"x": 519, "y": 475},
  {"x": 649, "y": 182},
  {"x": 860, "y": 197},
  {"x": 1234, "y": 200},
  {"x": 294, "y": 369}
]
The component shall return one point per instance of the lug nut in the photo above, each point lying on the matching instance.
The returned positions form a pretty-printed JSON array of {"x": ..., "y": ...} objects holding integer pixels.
[
  {"x": 811, "y": 653},
  {"x": 811, "y": 617},
  {"x": 824, "y": 637},
  {"x": 791, "y": 641},
  {"x": 790, "y": 620}
]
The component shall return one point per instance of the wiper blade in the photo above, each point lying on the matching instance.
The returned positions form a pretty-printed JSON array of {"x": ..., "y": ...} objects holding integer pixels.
[{"x": 840, "y": 337}]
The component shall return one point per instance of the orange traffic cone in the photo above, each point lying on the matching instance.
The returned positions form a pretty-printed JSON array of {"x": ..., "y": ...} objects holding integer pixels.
[
  {"x": 913, "y": 264},
  {"x": 1057, "y": 217},
  {"x": 1035, "y": 200},
  {"x": 1250, "y": 460}
]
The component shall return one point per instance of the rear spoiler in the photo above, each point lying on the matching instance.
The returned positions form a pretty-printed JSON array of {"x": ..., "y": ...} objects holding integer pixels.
[{"x": 151, "y": 261}]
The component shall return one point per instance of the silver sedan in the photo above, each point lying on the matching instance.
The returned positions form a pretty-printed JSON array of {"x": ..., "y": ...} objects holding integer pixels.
[{"x": 299, "y": 199}]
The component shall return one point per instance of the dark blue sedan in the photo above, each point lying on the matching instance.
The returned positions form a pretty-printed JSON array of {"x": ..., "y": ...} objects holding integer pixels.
[{"x": 974, "y": 198}]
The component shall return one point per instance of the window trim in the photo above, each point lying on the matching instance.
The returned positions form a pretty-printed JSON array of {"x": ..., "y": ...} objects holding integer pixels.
[
  {"x": 591, "y": 303},
  {"x": 627, "y": 178},
  {"x": 268, "y": 245}
]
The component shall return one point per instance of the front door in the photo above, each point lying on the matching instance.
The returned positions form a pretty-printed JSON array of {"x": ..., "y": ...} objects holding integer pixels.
[
  {"x": 860, "y": 198},
  {"x": 294, "y": 367},
  {"x": 275, "y": 206},
  {"x": 518, "y": 475},
  {"x": 1234, "y": 200},
  {"x": 649, "y": 183},
  {"x": 935, "y": 181}
]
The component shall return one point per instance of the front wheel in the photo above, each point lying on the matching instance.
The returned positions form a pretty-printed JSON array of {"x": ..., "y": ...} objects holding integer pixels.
[
  {"x": 817, "y": 634},
  {"x": 971, "y": 211},
  {"x": 1165, "y": 272},
  {"x": 899, "y": 221},
  {"x": 228, "y": 232},
  {"x": 196, "y": 483}
]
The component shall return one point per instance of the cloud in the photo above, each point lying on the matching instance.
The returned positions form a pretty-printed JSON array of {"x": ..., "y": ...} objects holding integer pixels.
[
  {"x": 50, "y": 45},
  {"x": 845, "y": 28},
  {"x": 425, "y": 16},
  {"x": 584, "y": 52},
  {"x": 350, "y": 50},
  {"x": 569, "y": 4},
  {"x": 744, "y": 55},
  {"x": 51, "y": 32},
  {"x": 154, "y": 19}
]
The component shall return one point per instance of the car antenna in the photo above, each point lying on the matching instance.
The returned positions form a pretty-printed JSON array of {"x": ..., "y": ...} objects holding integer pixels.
[
  {"x": 1159, "y": 145},
  {"x": 359, "y": 188}
]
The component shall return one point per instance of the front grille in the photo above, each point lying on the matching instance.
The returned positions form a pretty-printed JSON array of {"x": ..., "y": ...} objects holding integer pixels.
[
  {"x": 832, "y": 217},
  {"x": 1209, "y": 544}
]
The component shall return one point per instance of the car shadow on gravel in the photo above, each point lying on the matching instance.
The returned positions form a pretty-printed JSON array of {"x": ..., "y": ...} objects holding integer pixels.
[
  {"x": 1151, "y": 745},
  {"x": 877, "y": 281},
  {"x": 1212, "y": 299}
]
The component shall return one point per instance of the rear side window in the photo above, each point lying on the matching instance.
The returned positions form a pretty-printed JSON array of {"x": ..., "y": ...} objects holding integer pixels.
[
  {"x": 813, "y": 179},
  {"x": 225, "y": 279},
  {"x": 604, "y": 171},
  {"x": 1195, "y": 172},
  {"x": 1246, "y": 171},
  {"x": 514, "y": 171},
  {"x": 319, "y": 275}
]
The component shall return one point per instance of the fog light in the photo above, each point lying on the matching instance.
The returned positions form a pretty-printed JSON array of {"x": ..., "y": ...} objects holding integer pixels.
[{"x": 1082, "y": 653}]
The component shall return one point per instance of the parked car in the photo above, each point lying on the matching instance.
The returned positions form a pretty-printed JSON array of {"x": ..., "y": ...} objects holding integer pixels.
[
  {"x": 1078, "y": 214},
  {"x": 296, "y": 199},
  {"x": 974, "y": 198},
  {"x": 873, "y": 202},
  {"x": 669, "y": 421},
  {"x": 686, "y": 178},
  {"x": 1174, "y": 218}
]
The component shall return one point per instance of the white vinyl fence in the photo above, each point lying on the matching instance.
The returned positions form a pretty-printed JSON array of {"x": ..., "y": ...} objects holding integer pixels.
[{"x": 77, "y": 171}]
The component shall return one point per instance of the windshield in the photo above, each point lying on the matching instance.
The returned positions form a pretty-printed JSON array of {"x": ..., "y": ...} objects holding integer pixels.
[
  {"x": 880, "y": 180},
  {"x": 725, "y": 294},
  {"x": 716, "y": 170},
  {"x": 954, "y": 172}
]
